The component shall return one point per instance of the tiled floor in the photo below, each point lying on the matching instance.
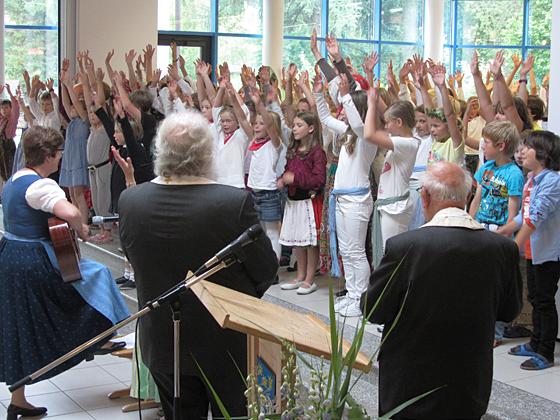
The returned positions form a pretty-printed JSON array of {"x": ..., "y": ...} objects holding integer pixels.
[{"x": 81, "y": 393}]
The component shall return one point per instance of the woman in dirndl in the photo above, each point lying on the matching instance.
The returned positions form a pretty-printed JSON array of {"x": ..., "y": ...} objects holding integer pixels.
[
  {"x": 43, "y": 317},
  {"x": 304, "y": 176}
]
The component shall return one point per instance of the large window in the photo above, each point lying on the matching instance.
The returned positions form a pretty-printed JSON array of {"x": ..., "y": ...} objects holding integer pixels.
[
  {"x": 30, "y": 39},
  {"x": 393, "y": 28},
  {"x": 520, "y": 27}
]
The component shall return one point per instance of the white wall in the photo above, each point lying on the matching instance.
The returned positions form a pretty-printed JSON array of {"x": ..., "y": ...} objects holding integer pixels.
[{"x": 102, "y": 25}]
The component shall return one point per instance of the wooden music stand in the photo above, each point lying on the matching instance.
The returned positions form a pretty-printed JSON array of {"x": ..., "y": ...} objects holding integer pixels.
[{"x": 265, "y": 325}]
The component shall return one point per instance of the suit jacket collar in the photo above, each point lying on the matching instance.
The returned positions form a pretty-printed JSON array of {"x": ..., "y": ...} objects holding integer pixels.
[
  {"x": 184, "y": 180},
  {"x": 454, "y": 217}
]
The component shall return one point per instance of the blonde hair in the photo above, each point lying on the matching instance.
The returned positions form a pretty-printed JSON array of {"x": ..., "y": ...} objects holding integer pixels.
[
  {"x": 502, "y": 132},
  {"x": 183, "y": 146}
]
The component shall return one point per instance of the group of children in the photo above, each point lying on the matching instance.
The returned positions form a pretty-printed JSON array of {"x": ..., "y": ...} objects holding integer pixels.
[{"x": 334, "y": 166}]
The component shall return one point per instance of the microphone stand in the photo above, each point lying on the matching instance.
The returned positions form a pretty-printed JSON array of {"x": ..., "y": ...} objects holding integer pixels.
[{"x": 172, "y": 296}]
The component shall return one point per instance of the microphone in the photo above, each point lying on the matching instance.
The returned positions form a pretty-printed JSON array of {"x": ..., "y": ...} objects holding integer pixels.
[
  {"x": 97, "y": 220},
  {"x": 247, "y": 237}
]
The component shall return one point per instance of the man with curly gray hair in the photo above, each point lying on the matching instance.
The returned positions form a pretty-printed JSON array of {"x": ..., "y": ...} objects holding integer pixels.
[
  {"x": 172, "y": 225},
  {"x": 442, "y": 288}
]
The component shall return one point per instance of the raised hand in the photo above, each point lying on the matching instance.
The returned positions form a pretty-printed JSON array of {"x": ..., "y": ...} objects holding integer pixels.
[
  {"x": 496, "y": 64},
  {"x": 9, "y": 90},
  {"x": 405, "y": 70},
  {"x": 438, "y": 74},
  {"x": 390, "y": 74},
  {"x": 172, "y": 86},
  {"x": 333, "y": 48},
  {"x": 527, "y": 65},
  {"x": 65, "y": 64},
  {"x": 475, "y": 70},
  {"x": 373, "y": 95},
  {"x": 173, "y": 72},
  {"x": 264, "y": 75},
  {"x": 117, "y": 104},
  {"x": 292, "y": 71},
  {"x": 459, "y": 77},
  {"x": 255, "y": 96},
  {"x": 546, "y": 81},
  {"x": 370, "y": 61},
  {"x": 224, "y": 71},
  {"x": 451, "y": 81},
  {"x": 149, "y": 51},
  {"x": 109, "y": 56},
  {"x": 303, "y": 80},
  {"x": 156, "y": 75},
  {"x": 26, "y": 76},
  {"x": 313, "y": 42},
  {"x": 88, "y": 64},
  {"x": 517, "y": 61},
  {"x": 129, "y": 57},
  {"x": 50, "y": 84},
  {"x": 125, "y": 165}
]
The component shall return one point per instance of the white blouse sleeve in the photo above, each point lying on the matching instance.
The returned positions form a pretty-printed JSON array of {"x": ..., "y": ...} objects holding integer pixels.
[
  {"x": 325, "y": 116},
  {"x": 353, "y": 116},
  {"x": 44, "y": 194}
]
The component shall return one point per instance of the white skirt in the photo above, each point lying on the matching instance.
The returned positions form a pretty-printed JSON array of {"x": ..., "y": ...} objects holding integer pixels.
[{"x": 298, "y": 225}]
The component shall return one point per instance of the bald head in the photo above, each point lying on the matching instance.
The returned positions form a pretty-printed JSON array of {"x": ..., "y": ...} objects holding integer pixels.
[{"x": 445, "y": 184}]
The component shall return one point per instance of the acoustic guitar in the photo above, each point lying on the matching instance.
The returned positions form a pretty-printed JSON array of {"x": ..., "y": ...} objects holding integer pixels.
[{"x": 66, "y": 249}]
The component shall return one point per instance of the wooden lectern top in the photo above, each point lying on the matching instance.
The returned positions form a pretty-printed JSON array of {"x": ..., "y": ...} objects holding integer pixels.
[{"x": 249, "y": 315}]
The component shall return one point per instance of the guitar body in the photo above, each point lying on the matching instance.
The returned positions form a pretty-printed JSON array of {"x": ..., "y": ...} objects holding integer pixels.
[{"x": 66, "y": 249}]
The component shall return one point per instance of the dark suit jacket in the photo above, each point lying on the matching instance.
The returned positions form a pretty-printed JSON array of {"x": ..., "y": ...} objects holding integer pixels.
[
  {"x": 167, "y": 230},
  {"x": 453, "y": 284}
]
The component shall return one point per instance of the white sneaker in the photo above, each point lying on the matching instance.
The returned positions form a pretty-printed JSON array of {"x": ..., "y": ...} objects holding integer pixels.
[
  {"x": 339, "y": 303},
  {"x": 352, "y": 308}
]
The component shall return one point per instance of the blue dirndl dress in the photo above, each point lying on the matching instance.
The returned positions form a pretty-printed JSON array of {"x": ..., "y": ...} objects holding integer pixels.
[
  {"x": 74, "y": 166},
  {"x": 42, "y": 317}
]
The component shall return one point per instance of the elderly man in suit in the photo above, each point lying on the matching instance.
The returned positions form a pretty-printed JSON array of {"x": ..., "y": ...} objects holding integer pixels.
[
  {"x": 172, "y": 225},
  {"x": 453, "y": 280}
]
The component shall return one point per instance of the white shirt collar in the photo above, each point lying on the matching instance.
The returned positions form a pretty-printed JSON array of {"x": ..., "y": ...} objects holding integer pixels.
[
  {"x": 183, "y": 180},
  {"x": 454, "y": 217}
]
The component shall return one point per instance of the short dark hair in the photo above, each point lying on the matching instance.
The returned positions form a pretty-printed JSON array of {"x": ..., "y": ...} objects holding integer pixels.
[
  {"x": 547, "y": 148},
  {"x": 142, "y": 99},
  {"x": 536, "y": 107},
  {"x": 40, "y": 143},
  {"x": 6, "y": 102}
]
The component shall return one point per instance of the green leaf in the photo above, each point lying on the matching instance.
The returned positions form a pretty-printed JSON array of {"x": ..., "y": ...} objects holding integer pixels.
[
  {"x": 219, "y": 402},
  {"x": 409, "y": 402}
]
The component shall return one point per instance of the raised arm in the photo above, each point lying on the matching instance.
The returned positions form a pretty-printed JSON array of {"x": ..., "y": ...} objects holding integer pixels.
[
  {"x": 525, "y": 70},
  {"x": 506, "y": 100},
  {"x": 148, "y": 60},
  {"x": 372, "y": 131},
  {"x": 486, "y": 109},
  {"x": 334, "y": 52},
  {"x": 303, "y": 83},
  {"x": 271, "y": 129},
  {"x": 127, "y": 104},
  {"x": 129, "y": 58},
  {"x": 516, "y": 64},
  {"x": 108, "y": 67},
  {"x": 64, "y": 78},
  {"x": 369, "y": 63},
  {"x": 337, "y": 126},
  {"x": 438, "y": 76},
  {"x": 237, "y": 110},
  {"x": 418, "y": 78}
]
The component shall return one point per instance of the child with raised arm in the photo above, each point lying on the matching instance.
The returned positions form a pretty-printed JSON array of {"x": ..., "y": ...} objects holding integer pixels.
[
  {"x": 265, "y": 151},
  {"x": 74, "y": 166},
  {"x": 46, "y": 110},
  {"x": 9, "y": 115},
  {"x": 448, "y": 144},
  {"x": 500, "y": 185},
  {"x": 350, "y": 203},
  {"x": 538, "y": 224},
  {"x": 393, "y": 209},
  {"x": 305, "y": 178},
  {"x": 230, "y": 141}
]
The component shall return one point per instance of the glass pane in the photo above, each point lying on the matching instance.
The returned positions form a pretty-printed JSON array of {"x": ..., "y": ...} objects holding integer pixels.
[
  {"x": 399, "y": 54},
  {"x": 301, "y": 16},
  {"x": 184, "y": 15},
  {"x": 540, "y": 19},
  {"x": 31, "y": 12},
  {"x": 240, "y": 16},
  {"x": 33, "y": 50},
  {"x": 353, "y": 20},
  {"x": 447, "y": 14},
  {"x": 542, "y": 64},
  {"x": 238, "y": 51},
  {"x": 298, "y": 52},
  {"x": 401, "y": 20},
  {"x": 478, "y": 22},
  {"x": 190, "y": 54},
  {"x": 485, "y": 55},
  {"x": 356, "y": 51}
]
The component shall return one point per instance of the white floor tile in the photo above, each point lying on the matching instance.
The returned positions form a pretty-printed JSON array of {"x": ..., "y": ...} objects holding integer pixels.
[
  {"x": 43, "y": 387},
  {"x": 83, "y": 378},
  {"x": 546, "y": 386},
  {"x": 4, "y": 393},
  {"x": 2, "y": 411},
  {"x": 73, "y": 416},
  {"x": 57, "y": 403},
  {"x": 96, "y": 397},
  {"x": 121, "y": 371},
  {"x": 506, "y": 369},
  {"x": 115, "y": 413},
  {"x": 107, "y": 359}
]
